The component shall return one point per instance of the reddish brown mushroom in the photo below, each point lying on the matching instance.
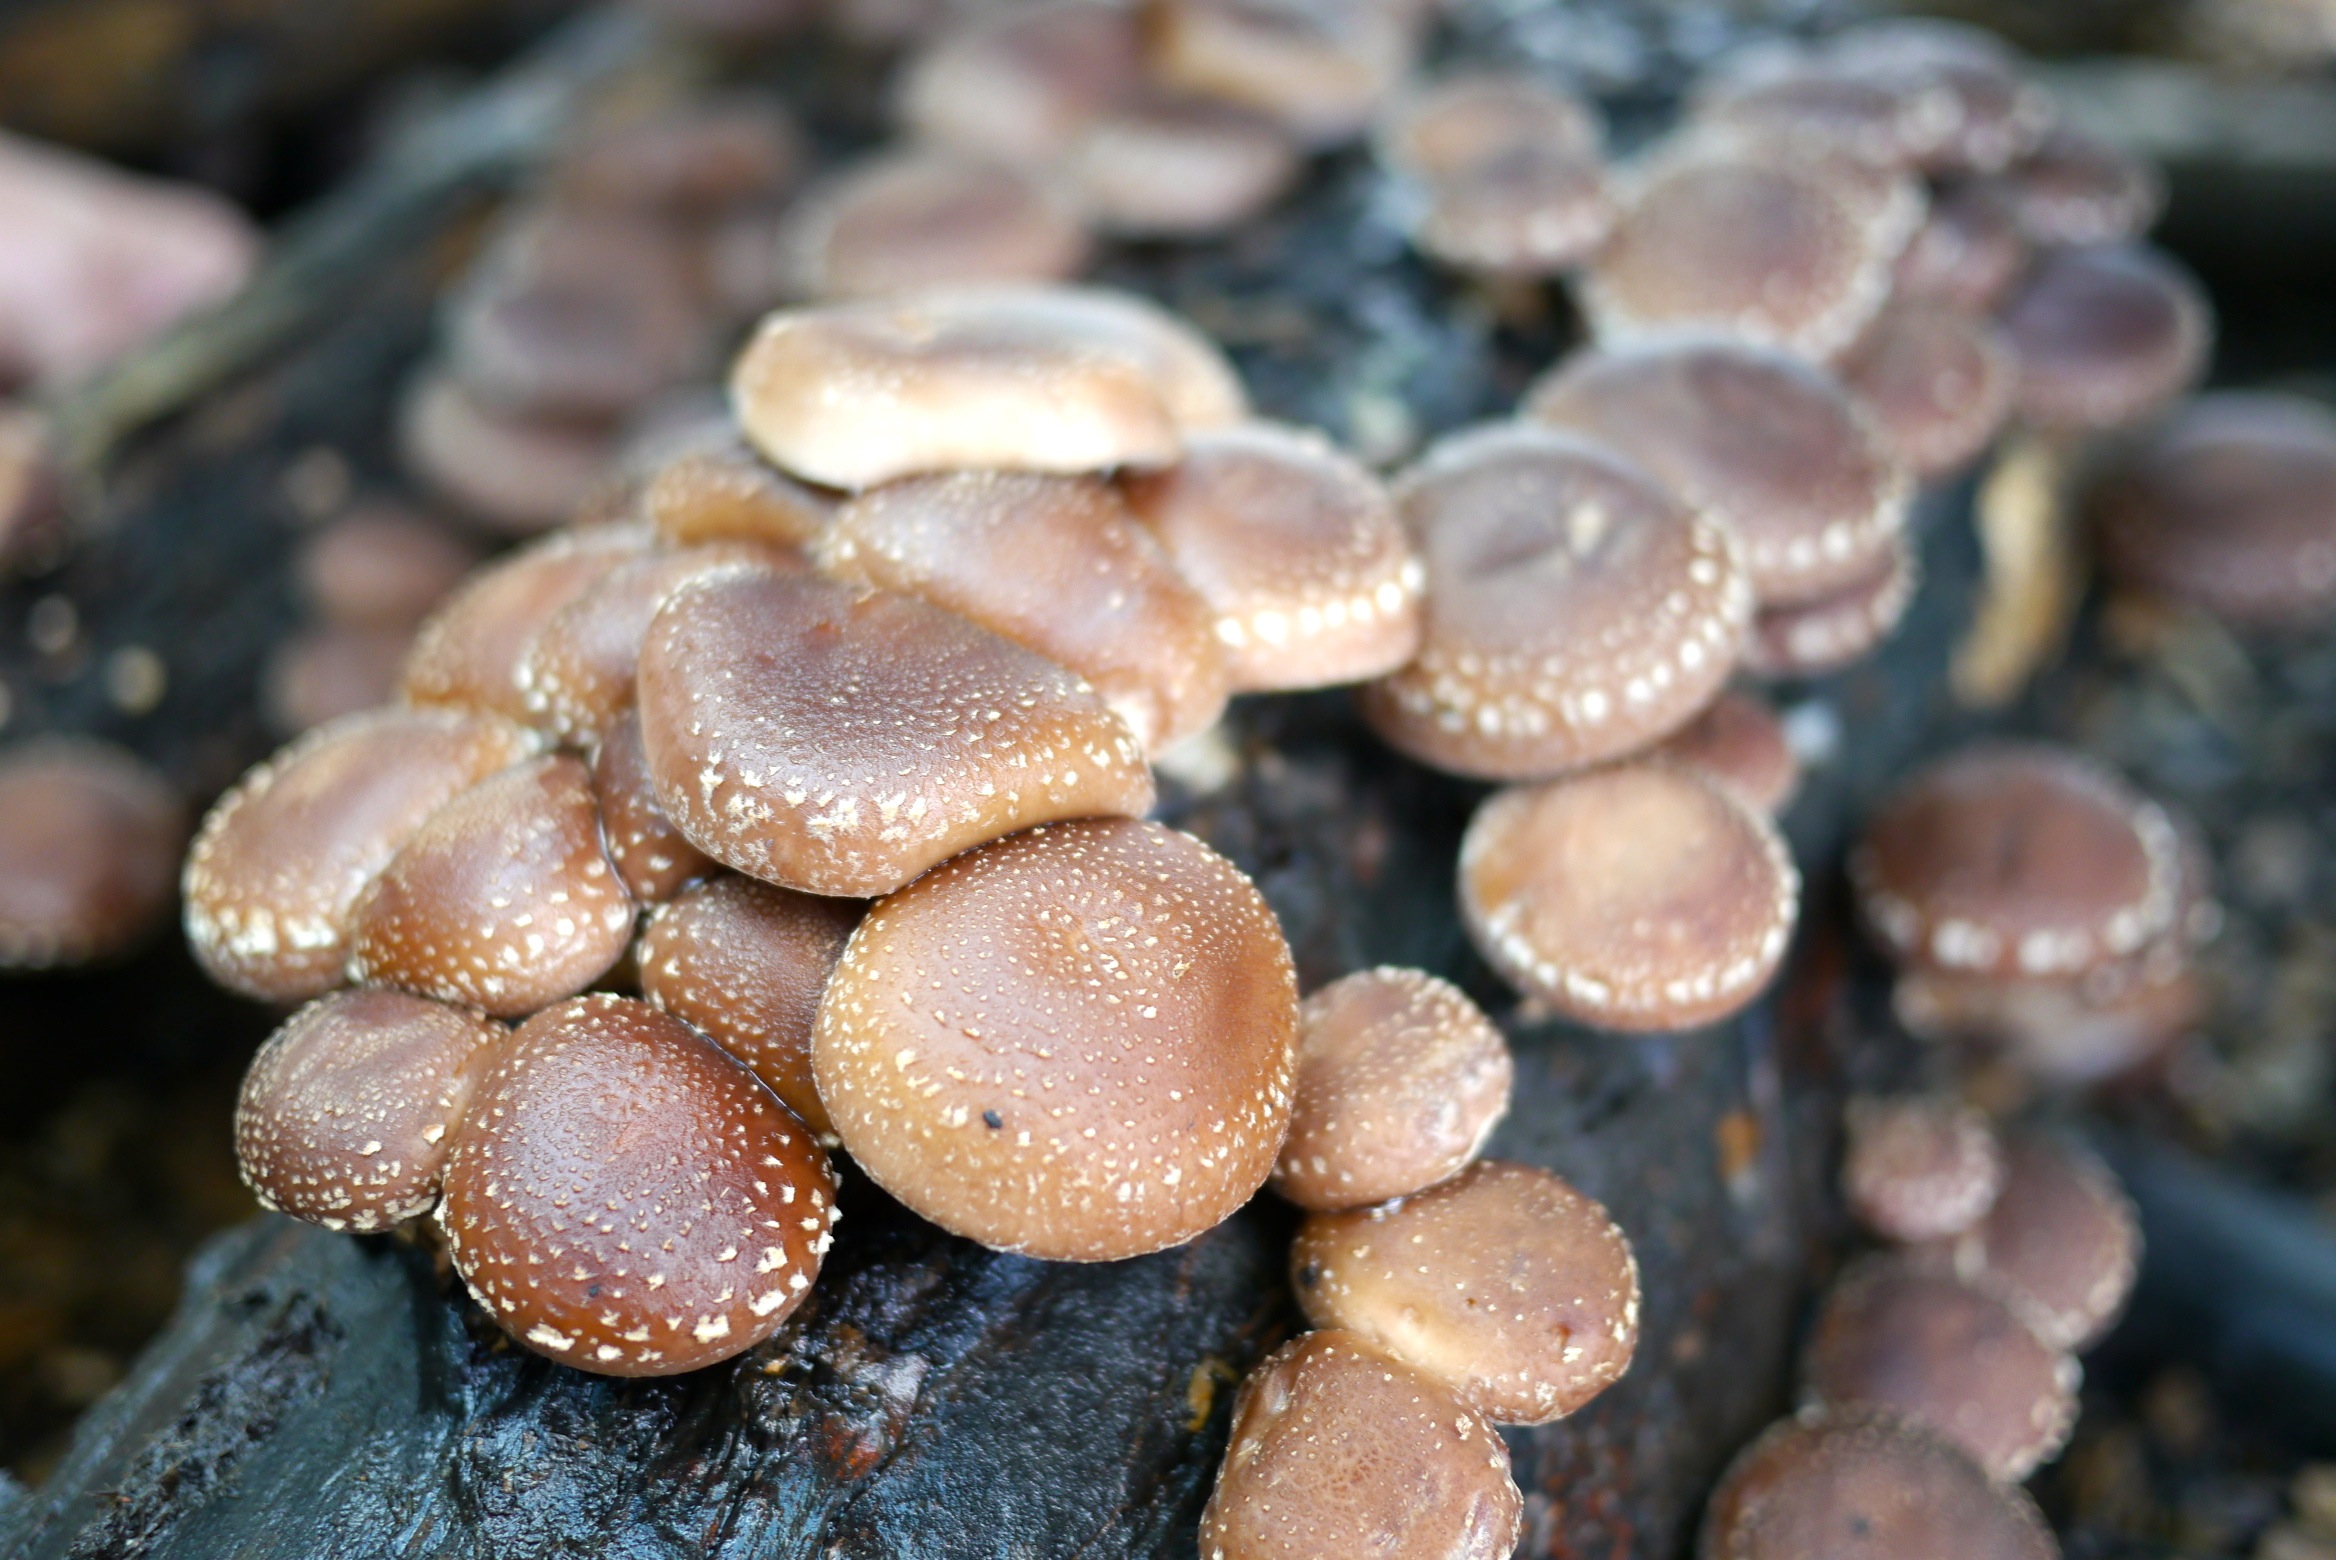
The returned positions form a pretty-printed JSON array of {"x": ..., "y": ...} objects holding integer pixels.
[
  {"x": 910, "y": 219},
  {"x": 1968, "y": 253},
  {"x": 469, "y": 653},
  {"x": 2075, "y": 189},
  {"x": 2105, "y": 337},
  {"x": 2061, "y": 1245},
  {"x": 720, "y": 490},
  {"x": 1507, "y": 171},
  {"x": 319, "y": 675},
  {"x": 1996, "y": 114},
  {"x": 1178, "y": 168},
  {"x": 625, "y": 1198},
  {"x": 1938, "y": 381},
  {"x": 1321, "y": 69},
  {"x": 1805, "y": 101},
  {"x": 1813, "y": 639},
  {"x": 2078, "y": 1032},
  {"x": 382, "y": 565},
  {"x": 1919, "y": 1167},
  {"x": 650, "y": 855},
  {"x": 512, "y": 474},
  {"x": 688, "y": 160},
  {"x": 1023, "y": 84},
  {"x": 1739, "y": 742},
  {"x": 89, "y": 844}
]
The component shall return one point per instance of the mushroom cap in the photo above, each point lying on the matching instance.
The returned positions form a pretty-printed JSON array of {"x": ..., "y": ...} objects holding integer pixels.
[
  {"x": 514, "y": 475},
  {"x": 841, "y": 741},
  {"x": 746, "y": 964},
  {"x": 1968, "y": 253},
  {"x": 2017, "y": 860},
  {"x": 2104, "y": 337},
  {"x": 1537, "y": 212},
  {"x": 283, "y": 857},
  {"x": 469, "y": 653},
  {"x": 1179, "y": 168},
  {"x": 1999, "y": 115},
  {"x": 651, "y": 858},
  {"x": 1400, "y": 1080},
  {"x": 2072, "y": 1033},
  {"x": 319, "y": 675},
  {"x": 1919, "y": 1167},
  {"x": 1297, "y": 549},
  {"x": 1638, "y": 897},
  {"x": 1319, "y": 67},
  {"x": 1057, "y": 565},
  {"x": 2078, "y": 189},
  {"x": 1436, "y": 130},
  {"x": 1820, "y": 637},
  {"x": 1861, "y": 1485},
  {"x": 504, "y": 899},
  {"x": 2230, "y": 506},
  {"x": 1337, "y": 1449},
  {"x": 1504, "y": 1283},
  {"x": 916, "y": 218},
  {"x": 720, "y": 490},
  {"x": 707, "y": 1205},
  {"x": 1896, "y": 1336},
  {"x": 1075, "y": 1043},
  {"x": 1773, "y": 449},
  {"x": 2061, "y": 1245},
  {"x": 345, "y": 1112},
  {"x": 1803, "y": 99},
  {"x": 1938, "y": 381},
  {"x": 1022, "y": 84},
  {"x": 1575, "y": 610},
  {"x": 692, "y": 159},
  {"x": 89, "y": 846},
  {"x": 382, "y": 565},
  {"x": 1739, "y": 743}
]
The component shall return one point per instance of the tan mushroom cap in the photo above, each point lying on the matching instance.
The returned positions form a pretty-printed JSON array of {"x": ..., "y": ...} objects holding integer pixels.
[
  {"x": 746, "y": 964},
  {"x": 1296, "y": 547},
  {"x": 1968, "y": 253},
  {"x": 345, "y": 1113},
  {"x": 2061, "y": 1246},
  {"x": 2105, "y": 337},
  {"x": 691, "y": 159},
  {"x": 1895, "y": 1336},
  {"x": 722, "y": 491},
  {"x": 468, "y": 655},
  {"x": 505, "y": 899},
  {"x": 1999, "y": 115},
  {"x": 512, "y": 474},
  {"x": 1575, "y": 610},
  {"x": 1022, "y": 84},
  {"x": 1773, "y": 449},
  {"x": 1400, "y": 1080},
  {"x": 1075, "y": 1043},
  {"x": 2229, "y": 507},
  {"x": 1057, "y": 565},
  {"x": 1443, "y": 128},
  {"x": 1504, "y": 1283},
  {"x": 1817, "y": 638},
  {"x": 625, "y": 1198},
  {"x": 1179, "y": 168},
  {"x": 651, "y": 858},
  {"x": 1319, "y": 67},
  {"x": 2076, "y": 189},
  {"x": 319, "y": 675},
  {"x": 1939, "y": 381},
  {"x": 90, "y": 838},
  {"x": 1337, "y": 1449},
  {"x": 1740, "y": 744},
  {"x": 904, "y": 220},
  {"x": 2017, "y": 860},
  {"x": 283, "y": 856},
  {"x": 1862, "y": 1485},
  {"x": 1638, "y": 897},
  {"x": 381, "y": 565},
  {"x": 842, "y": 741},
  {"x": 1919, "y": 1167}
]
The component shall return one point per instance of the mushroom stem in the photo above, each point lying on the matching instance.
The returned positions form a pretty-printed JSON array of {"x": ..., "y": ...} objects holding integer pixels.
[{"x": 2034, "y": 575}]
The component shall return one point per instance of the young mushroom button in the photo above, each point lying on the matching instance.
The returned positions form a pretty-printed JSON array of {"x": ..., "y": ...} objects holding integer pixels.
[
  {"x": 1075, "y": 1043},
  {"x": 1919, "y": 1167},
  {"x": 2061, "y": 1245},
  {"x": 89, "y": 847},
  {"x": 625, "y": 1198},
  {"x": 1814, "y": 638}
]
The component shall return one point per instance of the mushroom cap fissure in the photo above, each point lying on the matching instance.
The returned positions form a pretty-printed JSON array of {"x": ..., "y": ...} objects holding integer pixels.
[{"x": 89, "y": 850}]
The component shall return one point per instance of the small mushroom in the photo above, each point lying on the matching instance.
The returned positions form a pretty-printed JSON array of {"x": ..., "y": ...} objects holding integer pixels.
[
  {"x": 381, "y": 566},
  {"x": 2105, "y": 337},
  {"x": 1638, "y": 897},
  {"x": 600, "y": 1122},
  {"x": 1739, "y": 742},
  {"x": 283, "y": 856},
  {"x": 1442, "y": 128},
  {"x": 651, "y": 857},
  {"x": 1968, "y": 253},
  {"x": 344, "y": 1115},
  {"x": 1319, "y": 67},
  {"x": 1997, "y": 114},
  {"x": 690, "y": 160},
  {"x": 1507, "y": 173},
  {"x": 2061, "y": 1246},
  {"x": 1075, "y": 1043},
  {"x": 1805, "y": 101},
  {"x": 720, "y": 490},
  {"x": 1336, "y": 1449},
  {"x": 512, "y": 474},
  {"x": 89, "y": 844},
  {"x": 468, "y": 655},
  {"x": 1898, "y": 1337},
  {"x": 1814, "y": 639},
  {"x": 1504, "y": 1283},
  {"x": 2069, "y": 1032},
  {"x": 911, "y": 219},
  {"x": 1023, "y": 84},
  {"x": 746, "y": 964},
  {"x": 842, "y": 741},
  {"x": 1938, "y": 381},
  {"x": 1400, "y": 1080},
  {"x": 2076, "y": 189},
  {"x": 1919, "y": 1167},
  {"x": 1178, "y": 168},
  {"x": 321, "y": 674}
]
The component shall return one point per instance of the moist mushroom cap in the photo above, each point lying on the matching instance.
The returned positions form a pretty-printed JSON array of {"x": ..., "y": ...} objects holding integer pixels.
[
  {"x": 1337, "y": 1449},
  {"x": 746, "y": 964},
  {"x": 1057, "y": 565},
  {"x": 1319, "y": 67},
  {"x": 382, "y": 566},
  {"x": 283, "y": 857},
  {"x": 2017, "y": 860},
  {"x": 1440, "y": 129},
  {"x": 1968, "y": 252},
  {"x": 1771, "y": 448},
  {"x": 1075, "y": 1043},
  {"x": 1816, "y": 638},
  {"x": 722, "y": 491},
  {"x": 1638, "y": 897},
  {"x": 1022, "y": 84},
  {"x": 1739, "y": 743},
  {"x": 468, "y": 654},
  {"x": 89, "y": 847},
  {"x": 1919, "y": 1167},
  {"x": 2061, "y": 1245},
  {"x": 706, "y": 1206},
  {"x": 2076, "y": 189},
  {"x": 1861, "y": 1485},
  {"x": 1939, "y": 382},
  {"x": 1504, "y": 1283},
  {"x": 842, "y": 741},
  {"x": 651, "y": 857},
  {"x": 1894, "y": 1336},
  {"x": 1297, "y": 549},
  {"x": 345, "y": 1112},
  {"x": 1575, "y": 610},
  {"x": 1179, "y": 168},
  {"x": 916, "y": 218},
  {"x": 512, "y": 474},
  {"x": 505, "y": 899},
  {"x": 2105, "y": 336}
]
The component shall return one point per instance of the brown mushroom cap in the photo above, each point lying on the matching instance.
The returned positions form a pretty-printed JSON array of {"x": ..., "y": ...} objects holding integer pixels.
[
  {"x": 1820, "y": 637},
  {"x": 1998, "y": 115},
  {"x": 1075, "y": 1043},
  {"x": 2061, "y": 1246},
  {"x": 1807, "y": 101},
  {"x": 1400, "y": 1080},
  {"x": 89, "y": 846},
  {"x": 1057, "y": 565},
  {"x": 1968, "y": 252},
  {"x": 2231, "y": 507},
  {"x": 345, "y": 1112},
  {"x": 2013, "y": 860},
  {"x": 284, "y": 855},
  {"x": 1897, "y": 1337},
  {"x": 1773, "y": 449},
  {"x": 1179, "y": 168},
  {"x": 2077, "y": 189},
  {"x": 625, "y": 1198},
  {"x": 512, "y": 474},
  {"x": 1503, "y": 1283},
  {"x": 1920, "y": 1166},
  {"x": 1338, "y": 1450},
  {"x": 1638, "y": 897},
  {"x": 691, "y": 159},
  {"x": 841, "y": 741},
  {"x": 2105, "y": 337},
  {"x": 1441, "y": 129},
  {"x": 1534, "y": 213},
  {"x": 1319, "y": 67},
  {"x": 1739, "y": 742},
  {"x": 1859, "y": 1485},
  {"x": 2066, "y": 1032},
  {"x": 651, "y": 857},
  {"x": 1575, "y": 610},
  {"x": 321, "y": 674},
  {"x": 1939, "y": 382},
  {"x": 746, "y": 964},
  {"x": 382, "y": 566},
  {"x": 914, "y": 218},
  {"x": 468, "y": 655},
  {"x": 1024, "y": 83},
  {"x": 721, "y": 491}
]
